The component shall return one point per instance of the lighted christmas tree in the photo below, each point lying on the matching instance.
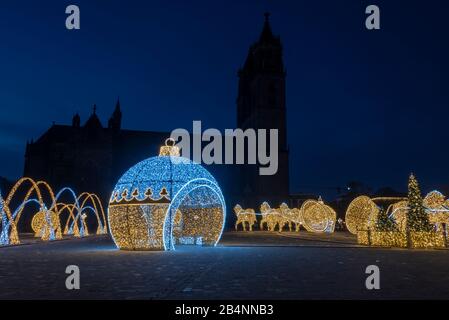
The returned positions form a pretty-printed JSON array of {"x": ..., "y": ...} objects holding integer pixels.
[
  {"x": 417, "y": 219},
  {"x": 384, "y": 223}
]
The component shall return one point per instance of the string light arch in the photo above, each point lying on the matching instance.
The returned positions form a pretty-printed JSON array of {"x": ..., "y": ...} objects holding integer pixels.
[{"x": 46, "y": 223}]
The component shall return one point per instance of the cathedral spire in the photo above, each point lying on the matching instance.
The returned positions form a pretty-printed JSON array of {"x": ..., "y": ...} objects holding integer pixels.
[
  {"x": 115, "y": 121},
  {"x": 265, "y": 55},
  {"x": 117, "y": 106},
  {"x": 267, "y": 34}
]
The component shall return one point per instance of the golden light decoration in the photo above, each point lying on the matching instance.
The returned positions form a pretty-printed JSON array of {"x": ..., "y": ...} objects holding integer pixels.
[
  {"x": 314, "y": 215},
  {"x": 170, "y": 149},
  {"x": 435, "y": 206},
  {"x": 416, "y": 239},
  {"x": 361, "y": 214},
  {"x": 164, "y": 201},
  {"x": 382, "y": 238},
  {"x": 291, "y": 217},
  {"x": 434, "y": 200},
  {"x": 41, "y": 227},
  {"x": 317, "y": 216},
  {"x": 398, "y": 211},
  {"x": 271, "y": 217},
  {"x": 46, "y": 223},
  {"x": 244, "y": 216},
  {"x": 86, "y": 203}
]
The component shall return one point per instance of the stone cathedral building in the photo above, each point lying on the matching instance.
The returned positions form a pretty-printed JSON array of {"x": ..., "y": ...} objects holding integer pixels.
[{"x": 91, "y": 156}]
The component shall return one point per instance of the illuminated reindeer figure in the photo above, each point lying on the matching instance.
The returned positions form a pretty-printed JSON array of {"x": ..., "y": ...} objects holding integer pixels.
[{"x": 244, "y": 216}]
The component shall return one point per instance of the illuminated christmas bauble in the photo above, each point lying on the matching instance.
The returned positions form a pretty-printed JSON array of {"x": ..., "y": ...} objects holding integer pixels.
[{"x": 164, "y": 201}]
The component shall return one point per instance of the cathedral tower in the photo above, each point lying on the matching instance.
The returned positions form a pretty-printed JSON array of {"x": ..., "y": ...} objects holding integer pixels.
[{"x": 261, "y": 105}]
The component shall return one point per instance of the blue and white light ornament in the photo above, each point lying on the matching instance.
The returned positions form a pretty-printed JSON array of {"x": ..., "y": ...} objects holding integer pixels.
[
  {"x": 4, "y": 221},
  {"x": 164, "y": 201}
]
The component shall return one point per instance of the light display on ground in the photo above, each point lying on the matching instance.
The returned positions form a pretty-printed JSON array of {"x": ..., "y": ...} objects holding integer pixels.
[
  {"x": 244, "y": 216},
  {"x": 438, "y": 209},
  {"x": 271, "y": 218},
  {"x": 290, "y": 217},
  {"x": 314, "y": 216},
  {"x": 362, "y": 211},
  {"x": 398, "y": 212},
  {"x": 317, "y": 216},
  {"x": 164, "y": 201},
  {"x": 361, "y": 214},
  {"x": 46, "y": 223},
  {"x": 434, "y": 205},
  {"x": 41, "y": 228}
]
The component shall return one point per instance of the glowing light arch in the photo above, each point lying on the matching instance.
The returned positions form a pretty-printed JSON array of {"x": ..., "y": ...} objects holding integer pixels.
[
  {"x": 46, "y": 222},
  {"x": 13, "y": 237},
  {"x": 15, "y": 216},
  {"x": 80, "y": 228},
  {"x": 73, "y": 229},
  {"x": 179, "y": 197}
]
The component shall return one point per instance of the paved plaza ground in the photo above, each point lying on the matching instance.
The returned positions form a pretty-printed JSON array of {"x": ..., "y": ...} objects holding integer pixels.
[{"x": 258, "y": 265}]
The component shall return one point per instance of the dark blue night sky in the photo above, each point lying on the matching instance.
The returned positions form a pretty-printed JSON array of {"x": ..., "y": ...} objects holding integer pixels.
[{"x": 362, "y": 105}]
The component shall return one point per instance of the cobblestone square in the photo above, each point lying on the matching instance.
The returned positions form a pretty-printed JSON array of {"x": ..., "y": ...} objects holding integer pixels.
[{"x": 257, "y": 265}]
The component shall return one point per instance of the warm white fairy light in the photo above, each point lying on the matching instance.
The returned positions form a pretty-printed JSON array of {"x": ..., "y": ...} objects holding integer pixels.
[
  {"x": 46, "y": 223},
  {"x": 317, "y": 216},
  {"x": 314, "y": 216},
  {"x": 166, "y": 200},
  {"x": 244, "y": 217},
  {"x": 271, "y": 218},
  {"x": 433, "y": 236},
  {"x": 361, "y": 214}
]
